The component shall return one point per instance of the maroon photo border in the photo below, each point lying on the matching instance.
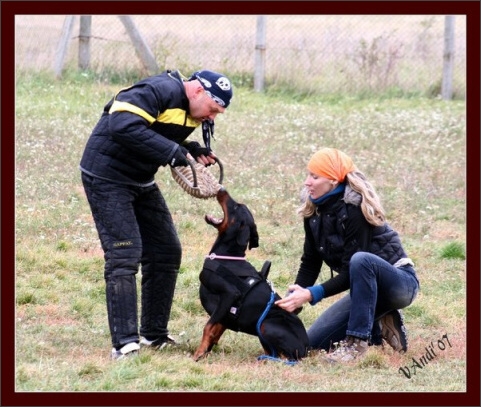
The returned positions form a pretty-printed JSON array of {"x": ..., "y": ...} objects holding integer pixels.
[{"x": 11, "y": 398}]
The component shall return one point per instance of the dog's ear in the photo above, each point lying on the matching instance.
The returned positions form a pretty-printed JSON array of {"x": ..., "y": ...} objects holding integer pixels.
[
  {"x": 254, "y": 237},
  {"x": 248, "y": 235},
  {"x": 243, "y": 236}
]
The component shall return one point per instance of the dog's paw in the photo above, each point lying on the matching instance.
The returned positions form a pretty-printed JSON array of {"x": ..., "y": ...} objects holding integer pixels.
[{"x": 199, "y": 354}]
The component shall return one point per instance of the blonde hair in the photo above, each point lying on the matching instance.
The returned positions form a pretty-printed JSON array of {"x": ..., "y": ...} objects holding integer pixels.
[{"x": 370, "y": 202}]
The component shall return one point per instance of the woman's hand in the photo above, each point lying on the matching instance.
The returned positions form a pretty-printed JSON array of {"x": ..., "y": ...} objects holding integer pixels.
[{"x": 296, "y": 298}]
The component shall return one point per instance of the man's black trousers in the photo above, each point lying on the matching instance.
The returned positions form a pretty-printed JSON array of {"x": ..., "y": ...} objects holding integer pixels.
[{"x": 135, "y": 227}]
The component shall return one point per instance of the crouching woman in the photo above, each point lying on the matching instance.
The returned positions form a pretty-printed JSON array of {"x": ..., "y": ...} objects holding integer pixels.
[{"x": 346, "y": 229}]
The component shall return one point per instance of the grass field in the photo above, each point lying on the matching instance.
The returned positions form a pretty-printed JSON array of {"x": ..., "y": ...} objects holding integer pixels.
[{"x": 414, "y": 151}]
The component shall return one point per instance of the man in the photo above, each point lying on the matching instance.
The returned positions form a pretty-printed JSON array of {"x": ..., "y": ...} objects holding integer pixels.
[{"x": 143, "y": 127}]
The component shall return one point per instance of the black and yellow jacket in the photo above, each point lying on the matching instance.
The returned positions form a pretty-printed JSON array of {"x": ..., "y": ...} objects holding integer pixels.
[{"x": 140, "y": 130}]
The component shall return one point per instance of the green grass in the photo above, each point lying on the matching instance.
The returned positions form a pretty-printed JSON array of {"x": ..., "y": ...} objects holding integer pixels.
[
  {"x": 412, "y": 149},
  {"x": 453, "y": 250}
]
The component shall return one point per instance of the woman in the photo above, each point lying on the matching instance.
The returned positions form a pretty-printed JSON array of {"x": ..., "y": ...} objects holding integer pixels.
[{"x": 345, "y": 228}]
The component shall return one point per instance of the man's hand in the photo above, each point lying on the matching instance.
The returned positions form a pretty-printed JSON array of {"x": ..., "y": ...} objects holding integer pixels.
[
  {"x": 180, "y": 158},
  {"x": 201, "y": 154}
]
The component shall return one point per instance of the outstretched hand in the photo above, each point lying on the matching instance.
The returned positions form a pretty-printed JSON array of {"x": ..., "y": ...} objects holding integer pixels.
[{"x": 296, "y": 298}]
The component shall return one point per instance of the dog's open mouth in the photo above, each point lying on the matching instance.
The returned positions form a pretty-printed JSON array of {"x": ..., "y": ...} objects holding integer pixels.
[
  {"x": 211, "y": 220},
  {"x": 222, "y": 198}
]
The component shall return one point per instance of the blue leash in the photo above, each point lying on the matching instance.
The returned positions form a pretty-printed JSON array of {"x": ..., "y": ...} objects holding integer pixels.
[{"x": 273, "y": 355}]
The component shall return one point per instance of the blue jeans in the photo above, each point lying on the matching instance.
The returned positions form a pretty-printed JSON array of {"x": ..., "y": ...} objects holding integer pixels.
[{"x": 376, "y": 288}]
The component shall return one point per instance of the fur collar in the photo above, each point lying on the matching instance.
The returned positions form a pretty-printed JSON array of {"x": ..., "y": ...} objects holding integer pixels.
[{"x": 351, "y": 196}]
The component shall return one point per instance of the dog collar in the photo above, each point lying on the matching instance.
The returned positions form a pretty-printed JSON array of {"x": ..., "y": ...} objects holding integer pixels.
[{"x": 214, "y": 256}]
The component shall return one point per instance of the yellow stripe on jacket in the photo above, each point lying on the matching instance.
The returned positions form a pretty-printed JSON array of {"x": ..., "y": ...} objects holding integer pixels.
[{"x": 174, "y": 116}]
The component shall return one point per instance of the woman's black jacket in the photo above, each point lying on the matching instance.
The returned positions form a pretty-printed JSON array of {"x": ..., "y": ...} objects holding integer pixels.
[{"x": 334, "y": 233}]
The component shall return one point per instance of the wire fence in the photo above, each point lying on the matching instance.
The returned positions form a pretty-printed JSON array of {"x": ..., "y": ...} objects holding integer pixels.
[{"x": 333, "y": 53}]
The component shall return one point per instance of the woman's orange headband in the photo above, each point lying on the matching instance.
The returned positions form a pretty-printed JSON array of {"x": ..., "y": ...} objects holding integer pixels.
[{"x": 331, "y": 163}]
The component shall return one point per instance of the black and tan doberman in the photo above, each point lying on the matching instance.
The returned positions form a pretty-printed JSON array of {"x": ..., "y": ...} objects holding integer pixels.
[{"x": 240, "y": 298}]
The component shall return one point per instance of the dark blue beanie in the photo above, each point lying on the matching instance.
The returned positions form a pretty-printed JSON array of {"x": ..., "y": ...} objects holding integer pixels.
[{"x": 216, "y": 85}]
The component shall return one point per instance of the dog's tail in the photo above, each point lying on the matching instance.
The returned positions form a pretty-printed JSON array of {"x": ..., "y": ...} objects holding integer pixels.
[{"x": 265, "y": 269}]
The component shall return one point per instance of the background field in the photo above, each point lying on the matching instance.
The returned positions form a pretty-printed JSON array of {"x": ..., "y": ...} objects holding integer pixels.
[
  {"x": 356, "y": 54},
  {"x": 411, "y": 145},
  {"x": 413, "y": 150}
]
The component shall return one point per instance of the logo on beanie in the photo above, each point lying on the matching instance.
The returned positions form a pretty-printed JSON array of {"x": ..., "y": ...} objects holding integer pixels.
[
  {"x": 223, "y": 83},
  {"x": 216, "y": 85}
]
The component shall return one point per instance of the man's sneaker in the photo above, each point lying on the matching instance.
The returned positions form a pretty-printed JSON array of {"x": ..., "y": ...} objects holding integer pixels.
[
  {"x": 394, "y": 331},
  {"x": 348, "y": 350},
  {"x": 125, "y": 351},
  {"x": 158, "y": 343}
]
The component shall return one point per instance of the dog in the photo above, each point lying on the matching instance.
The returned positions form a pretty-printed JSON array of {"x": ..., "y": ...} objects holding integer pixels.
[{"x": 240, "y": 298}]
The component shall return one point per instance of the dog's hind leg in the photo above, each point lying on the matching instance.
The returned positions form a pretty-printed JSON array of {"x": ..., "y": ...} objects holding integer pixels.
[
  {"x": 286, "y": 338},
  {"x": 210, "y": 337}
]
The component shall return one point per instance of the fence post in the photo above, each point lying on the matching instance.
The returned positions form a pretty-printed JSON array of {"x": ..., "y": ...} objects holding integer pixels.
[
  {"x": 260, "y": 54},
  {"x": 62, "y": 46},
  {"x": 141, "y": 48},
  {"x": 84, "y": 42},
  {"x": 448, "y": 65}
]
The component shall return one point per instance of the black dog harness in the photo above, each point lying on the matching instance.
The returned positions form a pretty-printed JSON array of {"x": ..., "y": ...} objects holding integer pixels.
[
  {"x": 241, "y": 275},
  {"x": 244, "y": 289}
]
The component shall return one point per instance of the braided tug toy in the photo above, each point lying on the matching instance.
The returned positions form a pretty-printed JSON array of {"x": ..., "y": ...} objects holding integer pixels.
[{"x": 197, "y": 180}]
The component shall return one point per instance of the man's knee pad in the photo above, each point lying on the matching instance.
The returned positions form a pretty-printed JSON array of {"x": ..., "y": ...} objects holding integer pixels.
[
  {"x": 122, "y": 261},
  {"x": 121, "y": 296}
]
